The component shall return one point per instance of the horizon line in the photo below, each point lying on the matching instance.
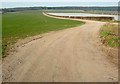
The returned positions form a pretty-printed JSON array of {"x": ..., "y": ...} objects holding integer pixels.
[{"x": 54, "y": 6}]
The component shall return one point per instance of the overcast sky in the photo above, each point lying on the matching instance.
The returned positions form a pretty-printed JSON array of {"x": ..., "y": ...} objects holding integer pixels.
[
  {"x": 31, "y": 3},
  {"x": 60, "y": 0}
]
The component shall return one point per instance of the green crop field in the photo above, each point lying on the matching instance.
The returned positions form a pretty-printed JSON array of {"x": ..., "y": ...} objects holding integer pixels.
[
  {"x": 0, "y": 36},
  {"x": 19, "y": 25}
]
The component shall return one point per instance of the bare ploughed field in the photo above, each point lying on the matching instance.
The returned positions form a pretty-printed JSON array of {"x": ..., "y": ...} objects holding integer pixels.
[{"x": 69, "y": 55}]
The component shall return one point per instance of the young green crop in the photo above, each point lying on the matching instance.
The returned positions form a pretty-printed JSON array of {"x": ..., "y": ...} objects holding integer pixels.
[
  {"x": 0, "y": 36},
  {"x": 19, "y": 25}
]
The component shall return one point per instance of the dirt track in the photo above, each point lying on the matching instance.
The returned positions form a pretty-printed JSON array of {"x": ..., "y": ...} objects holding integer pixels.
[{"x": 69, "y": 55}]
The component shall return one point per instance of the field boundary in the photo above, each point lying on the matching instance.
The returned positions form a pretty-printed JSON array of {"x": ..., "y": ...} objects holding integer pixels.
[{"x": 100, "y": 18}]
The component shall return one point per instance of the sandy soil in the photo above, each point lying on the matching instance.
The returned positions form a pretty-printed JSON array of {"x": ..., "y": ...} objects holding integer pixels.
[{"x": 69, "y": 55}]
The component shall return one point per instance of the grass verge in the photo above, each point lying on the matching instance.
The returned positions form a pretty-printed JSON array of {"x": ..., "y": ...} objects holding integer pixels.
[{"x": 109, "y": 35}]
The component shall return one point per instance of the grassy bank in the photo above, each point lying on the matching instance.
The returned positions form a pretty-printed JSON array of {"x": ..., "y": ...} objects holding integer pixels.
[
  {"x": 19, "y": 25},
  {"x": 109, "y": 35}
]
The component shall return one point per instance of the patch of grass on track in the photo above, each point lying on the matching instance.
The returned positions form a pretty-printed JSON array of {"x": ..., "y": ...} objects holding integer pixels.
[
  {"x": 19, "y": 25},
  {"x": 109, "y": 35}
]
